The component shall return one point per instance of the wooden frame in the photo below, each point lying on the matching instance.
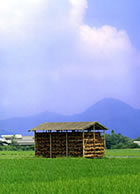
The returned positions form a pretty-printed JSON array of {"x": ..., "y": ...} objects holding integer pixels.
[
  {"x": 88, "y": 144},
  {"x": 66, "y": 144}
]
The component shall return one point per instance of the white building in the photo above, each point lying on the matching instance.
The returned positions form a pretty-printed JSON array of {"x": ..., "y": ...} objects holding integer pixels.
[
  {"x": 19, "y": 139},
  {"x": 137, "y": 142}
]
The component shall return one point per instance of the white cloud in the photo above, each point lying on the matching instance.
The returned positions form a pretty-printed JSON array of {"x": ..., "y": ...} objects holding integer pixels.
[
  {"x": 77, "y": 11},
  {"x": 104, "y": 40},
  {"x": 15, "y": 15},
  {"x": 51, "y": 58}
]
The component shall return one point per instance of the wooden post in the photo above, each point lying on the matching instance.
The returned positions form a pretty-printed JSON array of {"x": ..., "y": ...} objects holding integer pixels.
[
  {"x": 104, "y": 142},
  {"x": 66, "y": 144},
  {"x": 94, "y": 140},
  {"x": 83, "y": 144},
  {"x": 35, "y": 142},
  {"x": 50, "y": 145},
  {"x": 94, "y": 134}
]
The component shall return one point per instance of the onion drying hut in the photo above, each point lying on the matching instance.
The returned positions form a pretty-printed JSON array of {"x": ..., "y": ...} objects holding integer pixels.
[{"x": 76, "y": 139}]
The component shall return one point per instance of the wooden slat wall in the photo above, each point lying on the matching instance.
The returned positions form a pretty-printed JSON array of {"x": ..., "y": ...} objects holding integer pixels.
[
  {"x": 75, "y": 144},
  {"x": 69, "y": 144},
  {"x": 42, "y": 144},
  {"x": 58, "y": 144},
  {"x": 94, "y": 145}
]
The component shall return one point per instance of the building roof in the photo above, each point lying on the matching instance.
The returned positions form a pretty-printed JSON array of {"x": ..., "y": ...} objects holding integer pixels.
[
  {"x": 69, "y": 126},
  {"x": 17, "y": 136},
  {"x": 137, "y": 142}
]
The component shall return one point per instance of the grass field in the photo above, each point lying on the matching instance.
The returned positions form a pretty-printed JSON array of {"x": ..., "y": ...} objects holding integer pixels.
[
  {"x": 119, "y": 153},
  {"x": 21, "y": 172}
]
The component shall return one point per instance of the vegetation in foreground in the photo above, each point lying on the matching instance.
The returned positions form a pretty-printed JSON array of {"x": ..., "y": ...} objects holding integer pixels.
[{"x": 21, "y": 172}]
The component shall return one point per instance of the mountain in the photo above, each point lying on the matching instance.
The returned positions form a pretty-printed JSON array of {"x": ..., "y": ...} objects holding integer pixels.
[
  {"x": 21, "y": 125},
  {"x": 115, "y": 115},
  {"x": 112, "y": 113}
]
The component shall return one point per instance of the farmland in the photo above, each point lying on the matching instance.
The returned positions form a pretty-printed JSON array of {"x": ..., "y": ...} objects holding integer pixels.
[{"x": 118, "y": 172}]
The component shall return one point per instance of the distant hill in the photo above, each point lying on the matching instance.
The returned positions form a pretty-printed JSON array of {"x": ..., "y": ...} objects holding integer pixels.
[
  {"x": 110, "y": 112},
  {"x": 21, "y": 125},
  {"x": 115, "y": 115}
]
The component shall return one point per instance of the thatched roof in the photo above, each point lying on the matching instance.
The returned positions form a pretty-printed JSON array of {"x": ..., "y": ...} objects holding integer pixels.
[{"x": 69, "y": 126}]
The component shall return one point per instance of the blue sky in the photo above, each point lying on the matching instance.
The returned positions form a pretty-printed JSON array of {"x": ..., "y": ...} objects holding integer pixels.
[{"x": 63, "y": 57}]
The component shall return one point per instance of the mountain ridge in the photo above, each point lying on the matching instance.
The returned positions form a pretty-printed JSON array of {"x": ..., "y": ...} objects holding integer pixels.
[{"x": 112, "y": 113}]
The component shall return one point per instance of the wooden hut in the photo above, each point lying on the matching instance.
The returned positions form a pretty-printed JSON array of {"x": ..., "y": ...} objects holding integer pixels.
[{"x": 75, "y": 139}]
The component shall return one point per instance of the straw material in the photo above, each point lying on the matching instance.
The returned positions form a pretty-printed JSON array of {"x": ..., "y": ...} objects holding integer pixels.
[{"x": 64, "y": 126}]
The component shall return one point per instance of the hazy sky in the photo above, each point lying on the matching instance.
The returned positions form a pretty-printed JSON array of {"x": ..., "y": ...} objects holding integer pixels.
[{"x": 63, "y": 56}]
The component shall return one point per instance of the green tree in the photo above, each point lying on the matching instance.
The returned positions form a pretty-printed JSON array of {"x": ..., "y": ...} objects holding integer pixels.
[
  {"x": 118, "y": 141},
  {"x": 137, "y": 139}
]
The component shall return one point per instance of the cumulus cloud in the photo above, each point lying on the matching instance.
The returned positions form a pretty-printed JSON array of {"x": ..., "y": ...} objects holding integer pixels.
[
  {"x": 15, "y": 14},
  {"x": 51, "y": 60},
  {"x": 105, "y": 39},
  {"x": 77, "y": 11}
]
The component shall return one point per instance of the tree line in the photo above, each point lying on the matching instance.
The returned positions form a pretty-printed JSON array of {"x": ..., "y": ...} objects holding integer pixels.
[{"x": 118, "y": 141}]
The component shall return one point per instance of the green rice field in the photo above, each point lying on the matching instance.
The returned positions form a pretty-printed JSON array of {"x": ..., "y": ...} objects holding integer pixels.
[{"x": 118, "y": 172}]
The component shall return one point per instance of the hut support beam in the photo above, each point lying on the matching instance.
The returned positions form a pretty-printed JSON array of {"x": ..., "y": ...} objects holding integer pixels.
[
  {"x": 94, "y": 139},
  {"x": 50, "y": 145},
  {"x": 104, "y": 141},
  {"x": 66, "y": 144},
  {"x": 35, "y": 142},
  {"x": 94, "y": 135},
  {"x": 83, "y": 144}
]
